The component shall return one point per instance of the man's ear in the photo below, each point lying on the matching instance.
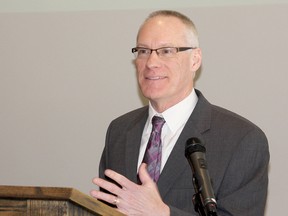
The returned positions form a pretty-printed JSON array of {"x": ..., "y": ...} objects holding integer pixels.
[{"x": 197, "y": 59}]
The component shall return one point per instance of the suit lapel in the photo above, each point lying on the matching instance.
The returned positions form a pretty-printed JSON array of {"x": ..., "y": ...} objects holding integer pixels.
[
  {"x": 176, "y": 163},
  {"x": 197, "y": 124},
  {"x": 133, "y": 142}
]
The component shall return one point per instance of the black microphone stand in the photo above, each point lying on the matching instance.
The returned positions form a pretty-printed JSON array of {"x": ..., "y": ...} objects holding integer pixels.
[{"x": 209, "y": 209}]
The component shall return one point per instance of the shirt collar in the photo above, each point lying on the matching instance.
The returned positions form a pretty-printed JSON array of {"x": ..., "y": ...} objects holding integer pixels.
[{"x": 178, "y": 114}]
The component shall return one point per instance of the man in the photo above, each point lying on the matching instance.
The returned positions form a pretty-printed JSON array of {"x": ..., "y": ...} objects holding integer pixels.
[{"x": 167, "y": 58}]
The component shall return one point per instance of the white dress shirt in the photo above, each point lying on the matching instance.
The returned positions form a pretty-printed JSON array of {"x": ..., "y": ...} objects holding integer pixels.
[{"x": 176, "y": 118}]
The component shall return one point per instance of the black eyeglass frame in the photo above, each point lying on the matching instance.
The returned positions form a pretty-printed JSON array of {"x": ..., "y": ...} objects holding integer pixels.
[{"x": 179, "y": 49}]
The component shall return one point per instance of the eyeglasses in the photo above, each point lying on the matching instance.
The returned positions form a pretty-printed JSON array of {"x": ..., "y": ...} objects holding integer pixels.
[{"x": 165, "y": 52}]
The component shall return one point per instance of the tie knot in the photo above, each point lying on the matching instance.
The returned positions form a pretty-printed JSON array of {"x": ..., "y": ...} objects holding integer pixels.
[{"x": 157, "y": 123}]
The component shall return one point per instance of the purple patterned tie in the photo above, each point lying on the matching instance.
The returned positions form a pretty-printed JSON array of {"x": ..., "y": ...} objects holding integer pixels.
[{"x": 154, "y": 149}]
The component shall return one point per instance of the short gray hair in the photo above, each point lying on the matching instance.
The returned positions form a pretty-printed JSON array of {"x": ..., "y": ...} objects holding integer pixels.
[{"x": 185, "y": 20}]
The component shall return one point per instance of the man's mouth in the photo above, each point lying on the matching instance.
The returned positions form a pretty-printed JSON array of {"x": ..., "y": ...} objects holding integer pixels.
[{"x": 156, "y": 78}]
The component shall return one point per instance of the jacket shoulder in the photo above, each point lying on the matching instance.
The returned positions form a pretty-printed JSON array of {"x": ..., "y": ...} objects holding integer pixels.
[{"x": 131, "y": 117}]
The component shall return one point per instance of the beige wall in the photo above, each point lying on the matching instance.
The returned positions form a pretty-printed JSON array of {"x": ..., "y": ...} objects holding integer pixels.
[{"x": 65, "y": 75}]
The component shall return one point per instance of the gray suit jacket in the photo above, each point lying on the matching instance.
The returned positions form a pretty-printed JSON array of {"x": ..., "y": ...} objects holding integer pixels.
[{"x": 237, "y": 155}]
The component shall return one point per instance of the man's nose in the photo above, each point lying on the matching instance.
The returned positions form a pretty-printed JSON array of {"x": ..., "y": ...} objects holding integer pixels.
[{"x": 153, "y": 59}]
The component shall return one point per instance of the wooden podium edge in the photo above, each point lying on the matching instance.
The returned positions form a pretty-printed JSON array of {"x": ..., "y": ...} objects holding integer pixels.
[{"x": 58, "y": 193}]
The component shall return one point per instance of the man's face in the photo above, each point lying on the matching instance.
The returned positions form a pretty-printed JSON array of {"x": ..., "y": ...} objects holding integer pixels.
[{"x": 166, "y": 81}]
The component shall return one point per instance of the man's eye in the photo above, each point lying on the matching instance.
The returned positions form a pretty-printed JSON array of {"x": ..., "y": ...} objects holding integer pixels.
[
  {"x": 167, "y": 51},
  {"x": 143, "y": 51}
]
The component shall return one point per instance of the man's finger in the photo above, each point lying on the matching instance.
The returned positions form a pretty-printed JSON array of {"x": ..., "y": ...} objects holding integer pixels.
[
  {"x": 104, "y": 196},
  {"x": 120, "y": 179},
  {"x": 111, "y": 187},
  {"x": 143, "y": 174}
]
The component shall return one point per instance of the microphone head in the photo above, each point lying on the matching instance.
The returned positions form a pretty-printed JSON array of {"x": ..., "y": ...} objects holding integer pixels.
[{"x": 193, "y": 144}]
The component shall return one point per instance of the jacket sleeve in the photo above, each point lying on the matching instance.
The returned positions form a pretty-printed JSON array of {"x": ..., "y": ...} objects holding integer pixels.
[
  {"x": 243, "y": 190},
  {"x": 245, "y": 183}
]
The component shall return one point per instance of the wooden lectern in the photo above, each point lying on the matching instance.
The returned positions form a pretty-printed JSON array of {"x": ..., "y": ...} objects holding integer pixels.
[{"x": 50, "y": 201}]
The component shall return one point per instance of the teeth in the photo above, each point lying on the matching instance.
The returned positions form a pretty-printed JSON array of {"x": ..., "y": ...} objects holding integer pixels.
[{"x": 155, "y": 78}]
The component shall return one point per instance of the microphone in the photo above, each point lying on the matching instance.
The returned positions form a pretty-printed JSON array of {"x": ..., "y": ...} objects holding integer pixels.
[{"x": 195, "y": 154}]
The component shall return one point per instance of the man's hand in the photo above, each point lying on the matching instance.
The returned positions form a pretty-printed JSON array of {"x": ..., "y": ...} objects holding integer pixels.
[{"x": 132, "y": 199}]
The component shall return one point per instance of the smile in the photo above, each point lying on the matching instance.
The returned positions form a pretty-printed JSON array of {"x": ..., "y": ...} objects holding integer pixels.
[{"x": 156, "y": 78}]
